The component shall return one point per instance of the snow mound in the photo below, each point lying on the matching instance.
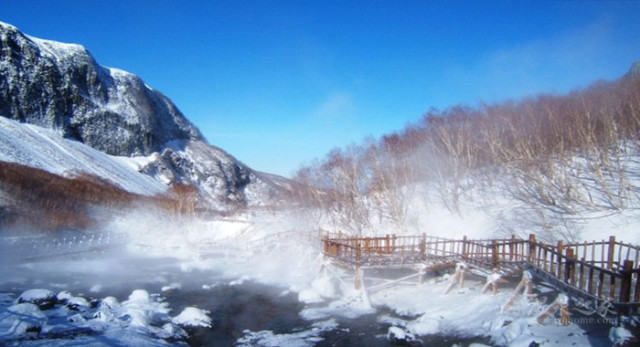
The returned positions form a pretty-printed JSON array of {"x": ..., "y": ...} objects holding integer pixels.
[
  {"x": 194, "y": 317},
  {"x": 43, "y": 298}
]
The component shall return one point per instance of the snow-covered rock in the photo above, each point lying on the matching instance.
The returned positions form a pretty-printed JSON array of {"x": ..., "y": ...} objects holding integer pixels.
[
  {"x": 43, "y": 298},
  {"x": 397, "y": 335},
  {"x": 142, "y": 320},
  {"x": 619, "y": 336},
  {"x": 142, "y": 310},
  {"x": 64, "y": 296},
  {"x": 194, "y": 317},
  {"x": 77, "y": 303}
]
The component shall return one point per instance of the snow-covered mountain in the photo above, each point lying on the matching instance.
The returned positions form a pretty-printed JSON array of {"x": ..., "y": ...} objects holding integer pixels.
[{"x": 99, "y": 115}]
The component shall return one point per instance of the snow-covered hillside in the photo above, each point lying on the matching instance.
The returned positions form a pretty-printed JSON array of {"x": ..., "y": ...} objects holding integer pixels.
[{"x": 42, "y": 148}]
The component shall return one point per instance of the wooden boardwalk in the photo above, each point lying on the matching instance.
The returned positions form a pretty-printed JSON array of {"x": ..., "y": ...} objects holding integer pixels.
[{"x": 595, "y": 273}]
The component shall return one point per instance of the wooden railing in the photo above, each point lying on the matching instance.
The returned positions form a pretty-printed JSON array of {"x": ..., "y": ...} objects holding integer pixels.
[{"x": 598, "y": 271}]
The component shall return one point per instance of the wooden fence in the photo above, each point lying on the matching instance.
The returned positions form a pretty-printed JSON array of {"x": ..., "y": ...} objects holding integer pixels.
[{"x": 597, "y": 271}]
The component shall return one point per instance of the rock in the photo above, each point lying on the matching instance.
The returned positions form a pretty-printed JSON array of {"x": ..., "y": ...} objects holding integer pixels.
[
  {"x": 78, "y": 304},
  {"x": 63, "y": 297},
  {"x": 397, "y": 335},
  {"x": 43, "y": 298},
  {"x": 193, "y": 317},
  {"x": 61, "y": 86}
]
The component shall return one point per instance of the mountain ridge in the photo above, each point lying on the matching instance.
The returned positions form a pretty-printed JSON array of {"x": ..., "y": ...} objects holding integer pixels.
[{"x": 61, "y": 86}]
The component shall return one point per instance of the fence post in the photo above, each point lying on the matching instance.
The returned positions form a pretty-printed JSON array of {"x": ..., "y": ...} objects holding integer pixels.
[
  {"x": 494, "y": 253},
  {"x": 393, "y": 246},
  {"x": 512, "y": 245},
  {"x": 560, "y": 250},
  {"x": 423, "y": 246},
  {"x": 325, "y": 244},
  {"x": 465, "y": 251},
  {"x": 532, "y": 248},
  {"x": 625, "y": 281},
  {"x": 636, "y": 292},
  {"x": 612, "y": 247},
  {"x": 388, "y": 245},
  {"x": 569, "y": 267}
]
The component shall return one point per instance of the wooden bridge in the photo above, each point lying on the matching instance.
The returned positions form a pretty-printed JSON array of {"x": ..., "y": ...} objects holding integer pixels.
[{"x": 597, "y": 273}]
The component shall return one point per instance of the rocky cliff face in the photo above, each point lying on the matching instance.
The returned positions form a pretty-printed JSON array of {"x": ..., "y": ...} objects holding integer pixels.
[{"x": 61, "y": 87}]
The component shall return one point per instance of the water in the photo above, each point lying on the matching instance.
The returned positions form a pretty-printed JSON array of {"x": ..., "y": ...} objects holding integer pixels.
[
  {"x": 256, "y": 307},
  {"x": 270, "y": 314}
]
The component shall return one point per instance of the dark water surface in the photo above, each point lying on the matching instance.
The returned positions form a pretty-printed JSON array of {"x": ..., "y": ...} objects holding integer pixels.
[
  {"x": 233, "y": 308},
  {"x": 257, "y": 307}
]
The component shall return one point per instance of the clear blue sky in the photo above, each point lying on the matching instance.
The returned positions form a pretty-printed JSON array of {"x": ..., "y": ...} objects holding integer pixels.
[{"x": 278, "y": 83}]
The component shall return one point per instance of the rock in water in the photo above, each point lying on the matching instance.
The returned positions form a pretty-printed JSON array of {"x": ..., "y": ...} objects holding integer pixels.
[{"x": 43, "y": 298}]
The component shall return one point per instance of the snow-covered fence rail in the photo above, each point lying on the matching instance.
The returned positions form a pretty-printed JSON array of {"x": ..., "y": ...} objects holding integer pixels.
[
  {"x": 606, "y": 253},
  {"x": 606, "y": 271},
  {"x": 47, "y": 247}
]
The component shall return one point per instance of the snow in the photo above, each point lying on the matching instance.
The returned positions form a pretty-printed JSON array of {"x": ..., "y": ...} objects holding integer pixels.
[
  {"x": 396, "y": 334},
  {"x": 619, "y": 336},
  {"x": 142, "y": 320},
  {"x": 59, "y": 50},
  {"x": 172, "y": 287},
  {"x": 20, "y": 320},
  {"x": 299, "y": 339},
  {"x": 42, "y": 148},
  {"x": 194, "y": 317},
  {"x": 287, "y": 262},
  {"x": 32, "y": 295}
]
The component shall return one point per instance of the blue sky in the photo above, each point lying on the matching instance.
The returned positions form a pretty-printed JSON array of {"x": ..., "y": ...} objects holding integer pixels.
[{"x": 278, "y": 83}]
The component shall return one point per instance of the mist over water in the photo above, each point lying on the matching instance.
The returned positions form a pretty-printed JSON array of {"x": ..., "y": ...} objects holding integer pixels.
[{"x": 257, "y": 284}]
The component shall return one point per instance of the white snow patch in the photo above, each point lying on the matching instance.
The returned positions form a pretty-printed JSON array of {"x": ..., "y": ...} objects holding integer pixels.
[
  {"x": 42, "y": 148},
  {"x": 299, "y": 339},
  {"x": 192, "y": 316}
]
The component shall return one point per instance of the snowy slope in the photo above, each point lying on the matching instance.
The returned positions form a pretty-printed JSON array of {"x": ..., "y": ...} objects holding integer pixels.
[{"x": 44, "y": 149}]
